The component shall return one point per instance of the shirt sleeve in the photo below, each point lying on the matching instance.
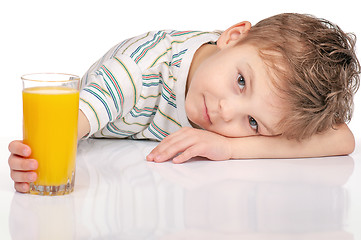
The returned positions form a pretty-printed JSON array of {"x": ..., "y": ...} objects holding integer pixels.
[{"x": 110, "y": 90}]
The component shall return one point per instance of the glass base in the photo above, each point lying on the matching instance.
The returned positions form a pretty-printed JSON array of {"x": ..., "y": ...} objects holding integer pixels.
[{"x": 57, "y": 190}]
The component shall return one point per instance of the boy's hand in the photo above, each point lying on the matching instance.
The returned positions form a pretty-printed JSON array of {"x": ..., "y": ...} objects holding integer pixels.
[
  {"x": 190, "y": 142},
  {"x": 21, "y": 168}
]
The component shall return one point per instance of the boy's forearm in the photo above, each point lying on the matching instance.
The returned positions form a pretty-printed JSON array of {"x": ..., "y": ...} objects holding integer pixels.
[
  {"x": 83, "y": 125},
  {"x": 338, "y": 141}
]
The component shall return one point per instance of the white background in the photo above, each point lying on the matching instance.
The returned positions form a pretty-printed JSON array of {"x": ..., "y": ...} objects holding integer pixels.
[{"x": 69, "y": 35}]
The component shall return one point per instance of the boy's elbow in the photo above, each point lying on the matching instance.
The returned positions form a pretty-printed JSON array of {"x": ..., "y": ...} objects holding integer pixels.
[
  {"x": 348, "y": 141},
  {"x": 350, "y": 144}
]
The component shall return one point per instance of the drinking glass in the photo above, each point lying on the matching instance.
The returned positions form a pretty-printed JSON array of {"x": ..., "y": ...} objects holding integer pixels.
[{"x": 50, "y": 121}]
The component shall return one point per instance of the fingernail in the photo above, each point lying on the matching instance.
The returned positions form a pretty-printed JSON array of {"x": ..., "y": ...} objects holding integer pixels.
[
  {"x": 25, "y": 188},
  {"x": 158, "y": 158}
]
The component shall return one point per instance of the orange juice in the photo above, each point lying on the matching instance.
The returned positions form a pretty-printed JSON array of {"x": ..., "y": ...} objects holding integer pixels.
[{"x": 50, "y": 129}]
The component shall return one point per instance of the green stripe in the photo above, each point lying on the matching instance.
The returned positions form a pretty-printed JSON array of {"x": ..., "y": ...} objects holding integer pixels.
[
  {"x": 181, "y": 33},
  {"x": 150, "y": 96},
  {"x": 112, "y": 79},
  {"x": 135, "y": 123},
  {"x": 156, "y": 60},
  {"x": 172, "y": 77},
  {"x": 101, "y": 100},
  {"x": 196, "y": 35},
  {"x": 99, "y": 89},
  {"x": 135, "y": 42},
  {"x": 150, "y": 45},
  {"x": 169, "y": 118},
  {"x": 131, "y": 79}
]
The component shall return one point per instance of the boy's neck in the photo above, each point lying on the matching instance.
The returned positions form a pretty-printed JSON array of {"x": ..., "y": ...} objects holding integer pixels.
[{"x": 205, "y": 51}]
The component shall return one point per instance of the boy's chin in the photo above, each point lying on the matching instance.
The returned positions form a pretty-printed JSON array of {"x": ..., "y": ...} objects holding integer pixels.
[{"x": 194, "y": 125}]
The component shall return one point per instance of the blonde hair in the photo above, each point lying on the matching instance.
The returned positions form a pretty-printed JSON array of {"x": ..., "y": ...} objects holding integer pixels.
[{"x": 317, "y": 67}]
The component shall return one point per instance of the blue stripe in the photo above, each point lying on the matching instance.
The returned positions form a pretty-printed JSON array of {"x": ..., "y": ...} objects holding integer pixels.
[
  {"x": 142, "y": 114},
  {"x": 101, "y": 100},
  {"x": 155, "y": 134},
  {"x": 152, "y": 84},
  {"x": 144, "y": 44},
  {"x": 168, "y": 101},
  {"x": 117, "y": 48},
  {"x": 180, "y": 53},
  {"x": 146, "y": 47}
]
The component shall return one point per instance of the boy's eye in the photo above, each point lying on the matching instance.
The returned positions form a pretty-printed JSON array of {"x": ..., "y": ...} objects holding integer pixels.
[
  {"x": 253, "y": 123},
  {"x": 240, "y": 81}
]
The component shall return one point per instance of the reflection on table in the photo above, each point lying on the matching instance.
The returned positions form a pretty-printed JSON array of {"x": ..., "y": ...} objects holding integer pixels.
[{"x": 118, "y": 195}]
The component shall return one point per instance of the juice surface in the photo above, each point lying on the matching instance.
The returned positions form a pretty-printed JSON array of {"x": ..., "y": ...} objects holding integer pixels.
[{"x": 50, "y": 129}]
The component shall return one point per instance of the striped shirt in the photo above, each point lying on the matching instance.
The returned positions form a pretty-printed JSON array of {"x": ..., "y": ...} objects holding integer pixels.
[{"x": 137, "y": 89}]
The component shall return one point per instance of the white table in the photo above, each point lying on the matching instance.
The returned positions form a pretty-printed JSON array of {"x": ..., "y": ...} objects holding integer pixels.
[{"x": 118, "y": 195}]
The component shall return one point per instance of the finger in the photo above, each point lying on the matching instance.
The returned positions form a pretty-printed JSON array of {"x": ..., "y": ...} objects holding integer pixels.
[
  {"x": 173, "y": 144},
  {"x": 22, "y": 187},
  {"x": 169, "y": 150},
  {"x": 159, "y": 150},
  {"x": 19, "y": 176},
  {"x": 171, "y": 141},
  {"x": 187, "y": 154},
  {"x": 159, "y": 156},
  {"x": 150, "y": 157},
  {"x": 17, "y": 147},
  {"x": 22, "y": 164}
]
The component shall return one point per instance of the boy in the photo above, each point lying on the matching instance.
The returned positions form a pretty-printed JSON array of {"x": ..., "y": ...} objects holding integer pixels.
[{"x": 280, "y": 89}]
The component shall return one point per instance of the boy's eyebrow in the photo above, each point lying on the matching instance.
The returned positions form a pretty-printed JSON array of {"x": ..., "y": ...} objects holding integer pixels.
[
  {"x": 272, "y": 133},
  {"x": 251, "y": 78},
  {"x": 250, "y": 75}
]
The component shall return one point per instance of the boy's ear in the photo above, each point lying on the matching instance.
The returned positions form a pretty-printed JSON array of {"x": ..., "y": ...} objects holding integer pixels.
[{"x": 233, "y": 34}]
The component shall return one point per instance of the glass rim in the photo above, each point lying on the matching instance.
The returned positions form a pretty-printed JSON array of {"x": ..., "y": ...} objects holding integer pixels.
[{"x": 36, "y": 77}]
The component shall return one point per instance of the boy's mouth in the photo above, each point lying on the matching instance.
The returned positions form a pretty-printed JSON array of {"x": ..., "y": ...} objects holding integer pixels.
[{"x": 205, "y": 112}]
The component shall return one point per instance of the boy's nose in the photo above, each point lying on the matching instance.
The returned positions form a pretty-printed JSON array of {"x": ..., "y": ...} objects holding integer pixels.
[{"x": 226, "y": 110}]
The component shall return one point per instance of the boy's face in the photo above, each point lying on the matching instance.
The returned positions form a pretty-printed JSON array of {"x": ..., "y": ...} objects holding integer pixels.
[{"x": 231, "y": 93}]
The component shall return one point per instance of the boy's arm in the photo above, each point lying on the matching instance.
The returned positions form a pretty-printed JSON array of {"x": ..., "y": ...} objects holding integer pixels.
[
  {"x": 83, "y": 125},
  {"x": 338, "y": 141},
  {"x": 193, "y": 142}
]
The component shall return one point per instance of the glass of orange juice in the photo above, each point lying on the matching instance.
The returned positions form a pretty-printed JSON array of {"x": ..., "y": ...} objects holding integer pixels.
[{"x": 50, "y": 121}]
